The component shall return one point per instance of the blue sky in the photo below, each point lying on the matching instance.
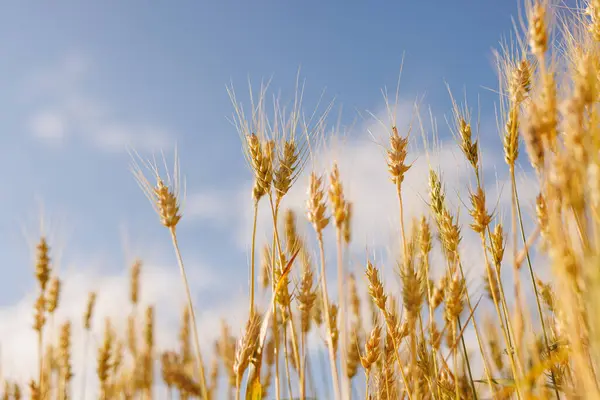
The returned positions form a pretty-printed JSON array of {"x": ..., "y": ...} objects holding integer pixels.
[
  {"x": 166, "y": 66},
  {"x": 79, "y": 81}
]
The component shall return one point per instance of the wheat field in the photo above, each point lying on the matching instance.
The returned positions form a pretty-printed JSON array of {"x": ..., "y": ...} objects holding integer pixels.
[{"x": 514, "y": 328}]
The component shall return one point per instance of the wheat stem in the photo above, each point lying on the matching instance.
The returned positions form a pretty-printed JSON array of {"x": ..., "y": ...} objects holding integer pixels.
[
  {"x": 505, "y": 331},
  {"x": 530, "y": 267},
  {"x": 252, "y": 262},
  {"x": 401, "y": 209},
  {"x": 462, "y": 339},
  {"x": 295, "y": 349},
  {"x": 287, "y": 363},
  {"x": 535, "y": 288},
  {"x": 345, "y": 382},
  {"x": 199, "y": 363},
  {"x": 479, "y": 342},
  {"x": 455, "y": 352},
  {"x": 275, "y": 319},
  {"x": 333, "y": 366},
  {"x": 431, "y": 321},
  {"x": 303, "y": 366}
]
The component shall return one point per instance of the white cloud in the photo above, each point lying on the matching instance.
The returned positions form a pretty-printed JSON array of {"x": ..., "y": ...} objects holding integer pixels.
[
  {"x": 213, "y": 206},
  {"x": 116, "y": 137},
  {"x": 76, "y": 113},
  {"x": 48, "y": 125}
]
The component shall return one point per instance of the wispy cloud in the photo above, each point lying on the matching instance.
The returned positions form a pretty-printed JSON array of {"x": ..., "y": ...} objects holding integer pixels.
[
  {"x": 214, "y": 206},
  {"x": 48, "y": 125},
  {"x": 63, "y": 111}
]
